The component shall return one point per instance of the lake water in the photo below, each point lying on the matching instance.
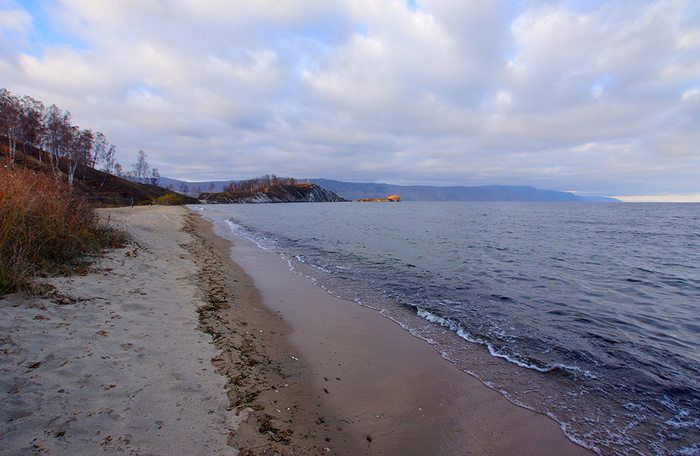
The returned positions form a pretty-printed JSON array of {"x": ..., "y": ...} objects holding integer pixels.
[{"x": 587, "y": 312}]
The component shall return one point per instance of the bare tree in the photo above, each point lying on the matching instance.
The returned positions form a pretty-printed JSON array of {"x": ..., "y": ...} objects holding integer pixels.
[
  {"x": 184, "y": 188},
  {"x": 155, "y": 177},
  {"x": 212, "y": 187},
  {"x": 140, "y": 168},
  {"x": 99, "y": 148},
  {"x": 107, "y": 158},
  {"x": 59, "y": 134},
  {"x": 27, "y": 121},
  {"x": 31, "y": 123}
]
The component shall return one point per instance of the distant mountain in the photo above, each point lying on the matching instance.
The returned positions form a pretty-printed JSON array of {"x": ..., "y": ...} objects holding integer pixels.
[
  {"x": 355, "y": 191},
  {"x": 204, "y": 185}
]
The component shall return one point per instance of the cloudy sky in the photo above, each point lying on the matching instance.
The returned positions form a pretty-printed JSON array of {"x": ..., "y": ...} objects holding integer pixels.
[{"x": 591, "y": 96}]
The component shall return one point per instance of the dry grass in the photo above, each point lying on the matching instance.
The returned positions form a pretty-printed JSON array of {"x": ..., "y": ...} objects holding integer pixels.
[{"x": 45, "y": 229}]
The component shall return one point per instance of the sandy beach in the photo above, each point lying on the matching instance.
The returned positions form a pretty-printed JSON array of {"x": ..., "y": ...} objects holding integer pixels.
[{"x": 184, "y": 343}]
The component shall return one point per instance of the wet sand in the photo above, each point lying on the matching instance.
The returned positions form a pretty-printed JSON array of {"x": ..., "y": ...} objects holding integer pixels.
[{"x": 170, "y": 347}]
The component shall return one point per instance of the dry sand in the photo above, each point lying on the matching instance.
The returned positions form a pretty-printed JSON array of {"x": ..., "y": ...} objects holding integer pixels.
[
  {"x": 110, "y": 362},
  {"x": 166, "y": 348}
]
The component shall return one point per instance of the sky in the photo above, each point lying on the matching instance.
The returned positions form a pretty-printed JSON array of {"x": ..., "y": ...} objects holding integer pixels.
[{"x": 589, "y": 96}]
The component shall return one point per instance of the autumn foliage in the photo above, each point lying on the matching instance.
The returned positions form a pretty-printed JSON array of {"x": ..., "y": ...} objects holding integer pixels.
[{"x": 45, "y": 229}]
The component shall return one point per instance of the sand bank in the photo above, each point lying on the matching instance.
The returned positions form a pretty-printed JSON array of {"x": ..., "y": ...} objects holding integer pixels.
[{"x": 166, "y": 348}]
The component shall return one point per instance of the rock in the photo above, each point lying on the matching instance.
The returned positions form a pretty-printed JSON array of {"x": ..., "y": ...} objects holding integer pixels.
[
  {"x": 278, "y": 193},
  {"x": 392, "y": 199}
]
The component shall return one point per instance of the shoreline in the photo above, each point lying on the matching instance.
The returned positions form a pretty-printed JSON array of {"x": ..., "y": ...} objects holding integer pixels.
[
  {"x": 268, "y": 385},
  {"x": 186, "y": 341},
  {"x": 394, "y": 391}
]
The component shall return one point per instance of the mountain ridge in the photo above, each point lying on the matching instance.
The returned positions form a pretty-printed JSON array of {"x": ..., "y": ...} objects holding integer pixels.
[
  {"x": 515, "y": 193},
  {"x": 355, "y": 190}
]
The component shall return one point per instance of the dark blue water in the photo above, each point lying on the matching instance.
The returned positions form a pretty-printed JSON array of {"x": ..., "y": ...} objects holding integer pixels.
[{"x": 587, "y": 312}]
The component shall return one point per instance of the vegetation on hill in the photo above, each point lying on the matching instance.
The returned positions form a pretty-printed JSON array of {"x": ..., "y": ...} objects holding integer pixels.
[
  {"x": 49, "y": 187},
  {"x": 258, "y": 183},
  {"x": 48, "y": 133},
  {"x": 100, "y": 188},
  {"x": 26, "y": 122},
  {"x": 48, "y": 226}
]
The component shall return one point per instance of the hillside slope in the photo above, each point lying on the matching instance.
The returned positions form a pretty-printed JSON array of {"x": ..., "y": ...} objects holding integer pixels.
[{"x": 102, "y": 189}]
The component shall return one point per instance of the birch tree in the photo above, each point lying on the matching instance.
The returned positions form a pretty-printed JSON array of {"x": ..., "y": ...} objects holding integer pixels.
[
  {"x": 110, "y": 164},
  {"x": 59, "y": 135},
  {"x": 140, "y": 168},
  {"x": 79, "y": 151}
]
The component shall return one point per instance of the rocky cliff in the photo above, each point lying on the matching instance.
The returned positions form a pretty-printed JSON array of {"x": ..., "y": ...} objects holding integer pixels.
[{"x": 279, "y": 193}]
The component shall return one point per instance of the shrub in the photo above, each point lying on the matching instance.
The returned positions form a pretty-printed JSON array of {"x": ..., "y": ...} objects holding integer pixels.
[
  {"x": 171, "y": 199},
  {"x": 45, "y": 229}
]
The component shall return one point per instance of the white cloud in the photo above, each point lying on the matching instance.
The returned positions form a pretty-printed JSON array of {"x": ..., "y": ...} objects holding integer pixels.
[
  {"x": 601, "y": 95},
  {"x": 15, "y": 20},
  {"x": 15, "y": 25},
  {"x": 691, "y": 95}
]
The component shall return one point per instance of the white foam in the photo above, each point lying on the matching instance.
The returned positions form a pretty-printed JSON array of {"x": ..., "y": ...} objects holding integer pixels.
[
  {"x": 321, "y": 268},
  {"x": 461, "y": 332}
]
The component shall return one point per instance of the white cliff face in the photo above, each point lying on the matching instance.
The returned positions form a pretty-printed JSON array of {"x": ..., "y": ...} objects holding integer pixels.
[{"x": 302, "y": 193}]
